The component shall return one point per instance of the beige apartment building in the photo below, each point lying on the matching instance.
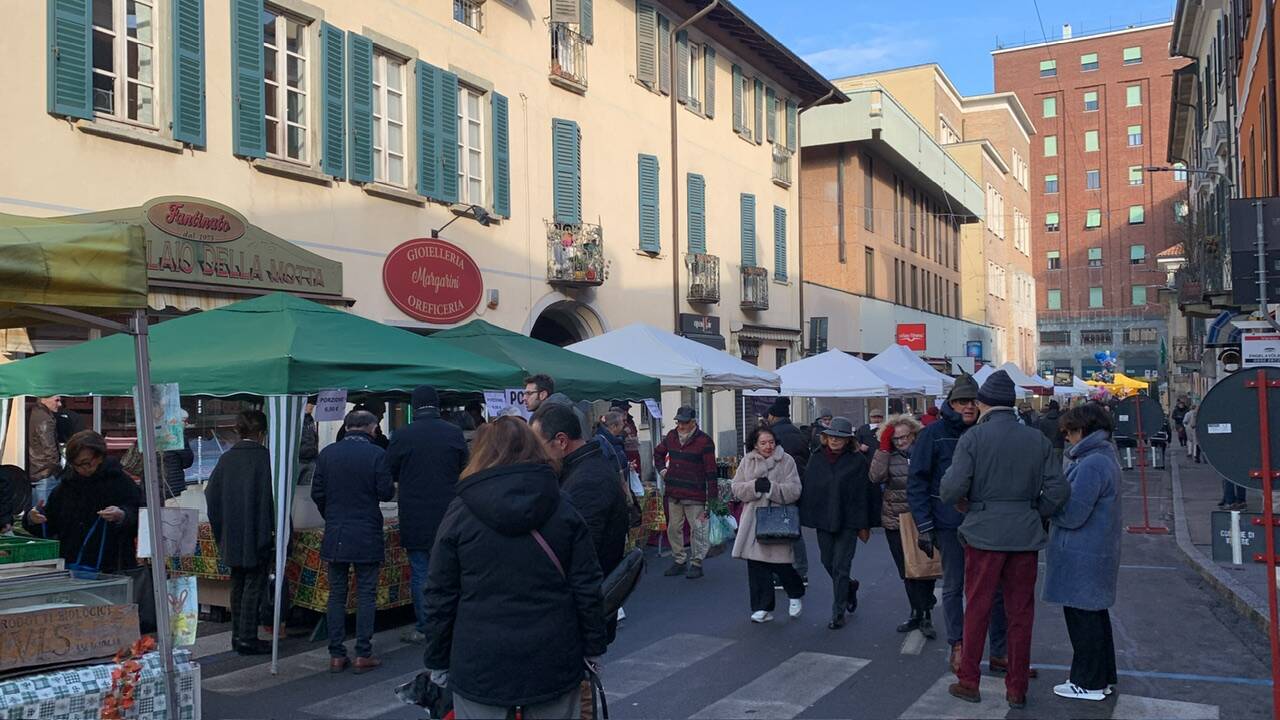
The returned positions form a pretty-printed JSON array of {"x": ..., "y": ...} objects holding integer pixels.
[
  {"x": 595, "y": 163},
  {"x": 989, "y": 136}
]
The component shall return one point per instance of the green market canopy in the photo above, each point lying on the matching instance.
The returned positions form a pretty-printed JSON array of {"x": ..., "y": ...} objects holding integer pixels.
[
  {"x": 277, "y": 344},
  {"x": 578, "y": 376}
]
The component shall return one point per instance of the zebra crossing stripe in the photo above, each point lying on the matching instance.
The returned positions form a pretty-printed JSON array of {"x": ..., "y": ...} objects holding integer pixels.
[
  {"x": 1133, "y": 707},
  {"x": 937, "y": 702},
  {"x": 294, "y": 667},
  {"x": 654, "y": 663},
  {"x": 914, "y": 643},
  {"x": 369, "y": 701},
  {"x": 787, "y": 690}
]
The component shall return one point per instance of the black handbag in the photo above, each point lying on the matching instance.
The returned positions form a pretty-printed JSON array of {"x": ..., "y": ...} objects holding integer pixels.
[{"x": 777, "y": 524}]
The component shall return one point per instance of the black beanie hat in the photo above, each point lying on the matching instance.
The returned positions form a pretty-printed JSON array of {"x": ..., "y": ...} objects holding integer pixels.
[
  {"x": 425, "y": 396},
  {"x": 998, "y": 390},
  {"x": 781, "y": 408}
]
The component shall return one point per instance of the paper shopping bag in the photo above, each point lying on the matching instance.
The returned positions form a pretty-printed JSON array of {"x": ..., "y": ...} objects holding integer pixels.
[{"x": 918, "y": 565}]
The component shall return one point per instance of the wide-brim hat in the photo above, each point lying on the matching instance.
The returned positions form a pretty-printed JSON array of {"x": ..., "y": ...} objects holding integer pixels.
[{"x": 840, "y": 427}]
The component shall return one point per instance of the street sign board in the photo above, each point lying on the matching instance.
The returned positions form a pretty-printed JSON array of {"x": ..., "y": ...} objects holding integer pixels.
[
  {"x": 1139, "y": 411},
  {"x": 1260, "y": 348},
  {"x": 1251, "y": 537},
  {"x": 1228, "y": 429}
]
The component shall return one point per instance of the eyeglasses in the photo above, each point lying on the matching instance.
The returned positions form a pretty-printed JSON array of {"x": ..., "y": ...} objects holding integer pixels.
[
  {"x": 965, "y": 403},
  {"x": 901, "y": 438},
  {"x": 86, "y": 464}
]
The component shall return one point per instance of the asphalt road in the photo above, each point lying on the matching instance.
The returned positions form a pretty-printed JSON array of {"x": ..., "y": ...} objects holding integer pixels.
[{"x": 688, "y": 650}]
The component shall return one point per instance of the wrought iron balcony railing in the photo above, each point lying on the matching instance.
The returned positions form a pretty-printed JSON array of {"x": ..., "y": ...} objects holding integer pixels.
[
  {"x": 782, "y": 165},
  {"x": 575, "y": 255},
  {"x": 755, "y": 288},
  {"x": 704, "y": 278},
  {"x": 568, "y": 57}
]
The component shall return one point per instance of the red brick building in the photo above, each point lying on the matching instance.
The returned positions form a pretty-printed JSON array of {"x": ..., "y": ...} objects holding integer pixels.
[
  {"x": 1101, "y": 108},
  {"x": 1255, "y": 53}
]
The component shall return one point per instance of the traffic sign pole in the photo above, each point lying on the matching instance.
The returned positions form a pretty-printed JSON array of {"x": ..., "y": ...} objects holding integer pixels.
[
  {"x": 1262, "y": 385},
  {"x": 1145, "y": 528}
]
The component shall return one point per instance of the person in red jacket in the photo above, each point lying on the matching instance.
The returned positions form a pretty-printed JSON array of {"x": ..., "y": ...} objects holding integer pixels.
[
  {"x": 930, "y": 417},
  {"x": 686, "y": 458}
]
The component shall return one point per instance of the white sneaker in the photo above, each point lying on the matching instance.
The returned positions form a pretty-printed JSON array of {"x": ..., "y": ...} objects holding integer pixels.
[
  {"x": 795, "y": 608},
  {"x": 760, "y": 616},
  {"x": 622, "y": 614},
  {"x": 1110, "y": 689},
  {"x": 1075, "y": 692}
]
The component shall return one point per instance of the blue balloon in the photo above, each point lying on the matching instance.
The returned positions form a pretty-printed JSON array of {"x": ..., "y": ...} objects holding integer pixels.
[{"x": 1100, "y": 356}]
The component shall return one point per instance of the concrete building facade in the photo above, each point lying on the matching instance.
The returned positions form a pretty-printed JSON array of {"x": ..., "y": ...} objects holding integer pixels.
[
  {"x": 1100, "y": 103},
  {"x": 990, "y": 136}
]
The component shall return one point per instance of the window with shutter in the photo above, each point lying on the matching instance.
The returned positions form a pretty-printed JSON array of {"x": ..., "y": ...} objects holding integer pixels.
[
  {"x": 333, "y": 87},
  {"x": 389, "y": 119},
  {"x": 248, "y": 126},
  {"x": 448, "y": 124},
  {"x": 650, "y": 238},
  {"x": 738, "y": 115},
  {"x": 697, "y": 198},
  {"x": 792, "y": 124},
  {"x": 360, "y": 106},
  {"x": 587, "y": 20},
  {"x": 682, "y": 67},
  {"x": 759, "y": 123},
  {"x": 124, "y": 78},
  {"x": 646, "y": 44},
  {"x": 709, "y": 69},
  {"x": 287, "y": 84},
  {"x": 664, "y": 54},
  {"x": 69, "y": 61},
  {"x": 771, "y": 115},
  {"x": 428, "y": 87},
  {"x": 501, "y": 156},
  {"x": 747, "y": 209},
  {"x": 566, "y": 163},
  {"x": 188, "y": 72},
  {"x": 779, "y": 243},
  {"x": 566, "y": 11}
]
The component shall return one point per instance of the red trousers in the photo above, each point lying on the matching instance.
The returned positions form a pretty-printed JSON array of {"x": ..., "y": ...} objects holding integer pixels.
[{"x": 985, "y": 571}]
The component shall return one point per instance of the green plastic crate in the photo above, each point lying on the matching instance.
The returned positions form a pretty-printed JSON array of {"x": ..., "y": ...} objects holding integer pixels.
[{"x": 16, "y": 549}]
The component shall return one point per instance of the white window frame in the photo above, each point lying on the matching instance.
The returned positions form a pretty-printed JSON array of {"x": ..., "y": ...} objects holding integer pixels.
[
  {"x": 748, "y": 107},
  {"x": 1047, "y": 191},
  {"x": 1134, "y": 61},
  {"x": 1087, "y": 176},
  {"x": 1048, "y": 140},
  {"x": 694, "y": 78},
  {"x": 1097, "y": 142},
  {"x": 472, "y": 11},
  {"x": 1085, "y": 98},
  {"x": 1050, "y": 296},
  {"x": 120, "y": 81},
  {"x": 1135, "y": 175},
  {"x": 471, "y": 139},
  {"x": 280, "y": 110},
  {"x": 1132, "y": 135},
  {"x": 1049, "y": 103},
  {"x": 1128, "y": 95},
  {"x": 383, "y": 97}
]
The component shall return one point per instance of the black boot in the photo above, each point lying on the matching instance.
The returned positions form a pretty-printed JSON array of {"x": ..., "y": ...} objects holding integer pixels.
[
  {"x": 926, "y": 625},
  {"x": 853, "y": 596},
  {"x": 912, "y": 623}
]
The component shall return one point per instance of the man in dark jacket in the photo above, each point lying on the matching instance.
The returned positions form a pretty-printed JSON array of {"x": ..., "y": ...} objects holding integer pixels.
[
  {"x": 938, "y": 522},
  {"x": 1007, "y": 496},
  {"x": 610, "y": 437},
  {"x": 519, "y": 632},
  {"x": 686, "y": 460},
  {"x": 867, "y": 438},
  {"x": 592, "y": 483},
  {"x": 1049, "y": 426},
  {"x": 351, "y": 479},
  {"x": 425, "y": 458},
  {"x": 241, "y": 515},
  {"x": 796, "y": 445}
]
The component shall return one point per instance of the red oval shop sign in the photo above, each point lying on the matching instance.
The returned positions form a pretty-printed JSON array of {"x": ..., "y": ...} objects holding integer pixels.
[
  {"x": 196, "y": 221},
  {"x": 432, "y": 281}
]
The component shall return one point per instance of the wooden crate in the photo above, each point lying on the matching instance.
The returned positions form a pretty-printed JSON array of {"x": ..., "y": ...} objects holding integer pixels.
[{"x": 63, "y": 634}]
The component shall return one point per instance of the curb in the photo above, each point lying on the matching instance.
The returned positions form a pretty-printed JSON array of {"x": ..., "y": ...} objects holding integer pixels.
[{"x": 1242, "y": 598}]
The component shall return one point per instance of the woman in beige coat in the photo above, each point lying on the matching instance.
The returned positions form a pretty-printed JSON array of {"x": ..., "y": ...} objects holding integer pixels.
[{"x": 766, "y": 476}]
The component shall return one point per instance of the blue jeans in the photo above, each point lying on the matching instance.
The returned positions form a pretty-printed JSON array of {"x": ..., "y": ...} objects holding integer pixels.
[
  {"x": 953, "y": 596},
  {"x": 366, "y": 607},
  {"x": 801, "y": 551},
  {"x": 1231, "y": 493},
  {"x": 41, "y": 489},
  {"x": 418, "y": 560}
]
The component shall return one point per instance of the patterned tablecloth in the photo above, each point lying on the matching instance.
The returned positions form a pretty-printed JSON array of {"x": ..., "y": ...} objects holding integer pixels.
[
  {"x": 77, "y": 693},
  {"x": 306, "y": 573}
]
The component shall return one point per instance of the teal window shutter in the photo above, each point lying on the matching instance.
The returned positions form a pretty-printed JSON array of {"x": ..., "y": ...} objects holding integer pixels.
[
  {"x": 586, "y": 21},
  {"x": 650, "y": 238},
  {"x": 748, "y": 208},
  {"x": 709, "y": 65},
  {"x": 779, "y": 243},
  {"x": 248, "y": 98},
  {"x": 188, "y": 72},
  {"x": 501, "y": 156},
  {"x": 791, "y": 125},
  {"x": 664, "y": 54},
  {"x": 697, "y": 202},
  {"x": 646, "y": 44},
  {"x": 428, "y": 84},
  {"x": 682, "y": 67},
  {"x": 771, "y": 115},
  {"x": 360, "y": 106},
  {"x": 448, "y": 124},
  {"x": 566, "y": 158},
  {"x": 759, "y": 126},
  {"x": 70, "y": 63},
  {"x": 333, "y": 154},
  {"x": 737, "y": 99}
]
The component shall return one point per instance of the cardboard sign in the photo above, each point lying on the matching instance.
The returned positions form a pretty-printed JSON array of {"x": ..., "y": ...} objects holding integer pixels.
[
  {"x": 331, "y": 405},
  {"x": 65, "y": 634},
  {"x": 179, "y": 531},
  {"x": 1260, "y": 348},
  {"x": 495, "y": 401},
  {"x": 654, "y": 409}
]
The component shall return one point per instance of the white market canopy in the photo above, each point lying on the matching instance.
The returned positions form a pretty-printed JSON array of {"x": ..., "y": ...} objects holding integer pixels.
[
  {"x": 675, "y": 361},
  {"x": 987, "y": 371},
  {"x": 1022, "y": 379},
  {"x": 1077, "y": 387},
  {"x": 904, "y": 362},
  {"x": 837, "y": 374}
]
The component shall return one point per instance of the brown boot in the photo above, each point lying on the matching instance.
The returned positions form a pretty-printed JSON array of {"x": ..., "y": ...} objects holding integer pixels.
[
  {"x": 965, "y": 693},
  {"x": 999, "y": 665},
  {"x": 956, "y": 651},
  {"x": 337, "y": 665},
  {"x": 365, "y": 664},
  {"x": 1016, "y": 702}
]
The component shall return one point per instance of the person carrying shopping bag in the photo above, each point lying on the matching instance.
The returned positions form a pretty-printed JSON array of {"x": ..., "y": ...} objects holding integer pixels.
[
  {"x": 767, "y": 478},
  {"x": 889, "y": 469}
]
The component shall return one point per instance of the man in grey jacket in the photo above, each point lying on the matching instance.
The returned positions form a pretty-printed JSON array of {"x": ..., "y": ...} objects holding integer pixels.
[{"x": 1005, "y": 481}]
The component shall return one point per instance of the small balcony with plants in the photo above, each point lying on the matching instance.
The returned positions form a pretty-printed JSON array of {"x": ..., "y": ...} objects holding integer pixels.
[
  {"x": 568, "y": 58},
  {"x": 782, "y": 165},
  {"x": 755, "y": 288},
  {"x": 704, "y": 278},
  {"x": 575, "y": 255}
]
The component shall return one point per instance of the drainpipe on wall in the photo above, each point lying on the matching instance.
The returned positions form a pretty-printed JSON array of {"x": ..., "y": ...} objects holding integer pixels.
[
  {"x": 800, "y": 211},
  {"x": 675, "y": 166}
]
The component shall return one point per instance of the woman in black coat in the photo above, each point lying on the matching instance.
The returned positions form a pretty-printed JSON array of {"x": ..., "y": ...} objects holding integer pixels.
[
  {"x": 840, "y": 503},
  {"x": 93, "y": 512},
  {"x": 514, "y": 579}
]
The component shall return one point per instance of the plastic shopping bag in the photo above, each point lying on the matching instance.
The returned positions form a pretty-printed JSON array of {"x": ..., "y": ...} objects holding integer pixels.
[{"x": 722, "y": 529}]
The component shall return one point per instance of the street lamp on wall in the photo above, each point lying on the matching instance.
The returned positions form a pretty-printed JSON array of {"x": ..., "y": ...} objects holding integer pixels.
[{"x": 475, "y": 212}]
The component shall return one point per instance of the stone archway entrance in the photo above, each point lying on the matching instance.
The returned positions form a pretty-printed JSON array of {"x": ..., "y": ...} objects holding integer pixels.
[{"x": 566, "y": 322}]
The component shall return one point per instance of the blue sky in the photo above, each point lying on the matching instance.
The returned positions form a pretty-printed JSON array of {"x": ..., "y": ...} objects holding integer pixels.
[{"x": 846, "y": 37}]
